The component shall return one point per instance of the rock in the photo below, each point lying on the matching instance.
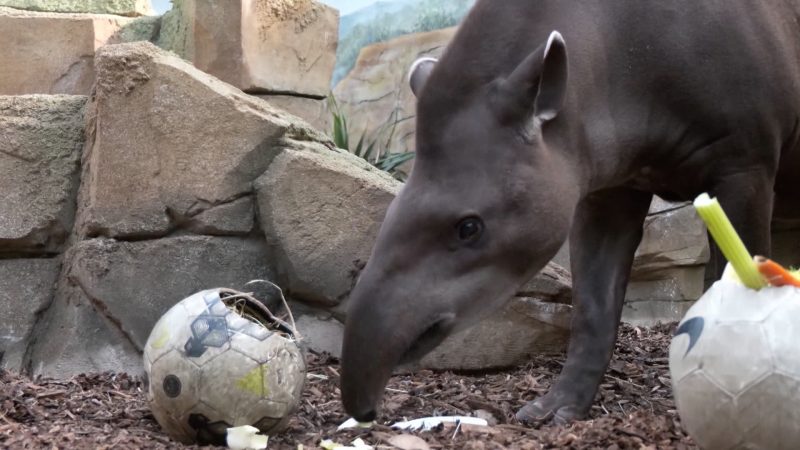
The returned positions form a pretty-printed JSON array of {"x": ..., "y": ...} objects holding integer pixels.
[
  {"x": 321, "y": 332},
  {"x": 261, "y": 46},
  {"x": 52, "y": 53},
  {"x": 507, "y": 338},
  {"x": 668, "y": 270},
  {"x": 663, "y": 296},
  {"x": 376, "y": 91},
  {"x": 674, "y": 235},
  {"x": 312, "y": 110},
  {"x": 651, "y": 312},
  {"x": 73, "y": 338},
  {"x": 119, "y": 7},
  {"x": 171, "y": 148},
  {"x": 26, "y": 289},
  {"x": 552, "y": 284},
  {"x": 323, "y": 230},
  {"x": 112, "y": 293},
  {"x": 538, "y": 317},
  {"x": 41, "y": 138},
  {"x": 236, "y": 218}
]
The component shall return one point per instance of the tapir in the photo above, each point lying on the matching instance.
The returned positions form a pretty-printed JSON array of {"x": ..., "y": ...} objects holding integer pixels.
[{"x": 548, "y": 120}]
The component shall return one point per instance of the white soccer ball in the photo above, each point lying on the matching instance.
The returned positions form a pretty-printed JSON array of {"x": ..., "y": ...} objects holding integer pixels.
[
  {"x": 735, "y": 367},
  {"x": 210, "y": 368}
]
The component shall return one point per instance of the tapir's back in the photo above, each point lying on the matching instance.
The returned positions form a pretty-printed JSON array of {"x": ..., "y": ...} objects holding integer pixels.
[{"x": 651, "y": 68}]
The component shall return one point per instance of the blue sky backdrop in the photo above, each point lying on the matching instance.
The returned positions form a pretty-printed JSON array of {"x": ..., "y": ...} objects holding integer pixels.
[{"x": 344, "y": 6}]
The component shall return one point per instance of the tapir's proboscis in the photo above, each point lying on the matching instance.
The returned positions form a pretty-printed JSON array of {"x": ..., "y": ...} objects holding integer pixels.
[{"x": 548, "y": 120}]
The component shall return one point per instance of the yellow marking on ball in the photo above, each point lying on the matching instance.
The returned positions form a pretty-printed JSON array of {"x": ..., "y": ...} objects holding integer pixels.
[
  {"x": 162, "y": 338},
  {"x": 253, "y": 381}
]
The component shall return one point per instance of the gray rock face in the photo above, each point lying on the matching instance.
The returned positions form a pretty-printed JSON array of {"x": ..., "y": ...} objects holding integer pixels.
[
  {"x": 112, "y": 293},
  {"x": 552, "y": 284},
  {"x": 73, "y": 338},
  {"x": 41, "y": 138},
  {"x": 663, "y": 295},
  {"x": 26, "y": 290},
  {"x": 174, "y": 148},
  {"x": 322, "y": 212},
  {"x": 509, "y": 337},
  {"x": 674, "y": 235}
]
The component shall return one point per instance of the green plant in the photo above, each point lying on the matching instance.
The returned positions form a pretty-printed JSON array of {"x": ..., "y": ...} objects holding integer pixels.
[{"x": 371, "y": 147}]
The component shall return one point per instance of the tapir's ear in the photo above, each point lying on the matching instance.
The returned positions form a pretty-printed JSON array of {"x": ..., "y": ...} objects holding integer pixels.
[
  {"x": 539, "y": 82},
  {"x": 419, "y": 73}
]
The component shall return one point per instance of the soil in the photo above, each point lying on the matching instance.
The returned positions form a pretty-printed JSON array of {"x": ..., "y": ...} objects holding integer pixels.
[{"x": 633, "y": 410}]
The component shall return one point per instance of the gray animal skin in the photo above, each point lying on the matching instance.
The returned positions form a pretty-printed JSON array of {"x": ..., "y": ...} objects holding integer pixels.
[{"x": 526, "y": 137}]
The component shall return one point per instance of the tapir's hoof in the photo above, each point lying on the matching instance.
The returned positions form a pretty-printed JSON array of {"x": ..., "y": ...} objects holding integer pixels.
[{"x": 535, "y": 413}]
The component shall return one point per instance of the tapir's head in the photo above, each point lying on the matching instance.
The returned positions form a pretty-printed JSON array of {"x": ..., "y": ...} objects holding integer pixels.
[{"x": 486, "y": 206}]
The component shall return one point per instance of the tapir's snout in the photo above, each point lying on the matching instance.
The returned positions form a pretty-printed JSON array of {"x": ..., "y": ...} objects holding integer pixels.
[{"x": 406, "y": 334}]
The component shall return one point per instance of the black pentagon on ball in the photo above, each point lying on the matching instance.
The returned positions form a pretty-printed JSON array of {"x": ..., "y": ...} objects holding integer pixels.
[
  {"x": 171, "y": 386},
  {"x": 208, "y": 433},
  {"x": 268, "y": 424}
]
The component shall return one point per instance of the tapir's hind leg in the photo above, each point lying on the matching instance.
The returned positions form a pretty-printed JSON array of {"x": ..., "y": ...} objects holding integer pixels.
[
  {"x": 747, "y": 199},
  {"x": 605, "y": 234}
]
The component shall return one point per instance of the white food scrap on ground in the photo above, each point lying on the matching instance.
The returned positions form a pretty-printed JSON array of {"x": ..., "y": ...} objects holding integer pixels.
[
  {"x": 357, "y": 444},
  {"x": 246, "y": 437}
]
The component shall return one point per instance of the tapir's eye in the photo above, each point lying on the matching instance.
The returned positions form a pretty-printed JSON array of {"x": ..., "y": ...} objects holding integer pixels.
[{"x": 470, "y": 229}]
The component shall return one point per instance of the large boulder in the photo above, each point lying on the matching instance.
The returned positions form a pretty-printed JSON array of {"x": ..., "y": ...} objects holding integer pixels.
[
  {"x": 111, "y": 294},
  {"x": 259, "y": 46},
  {"x": 26, "y": 290},
  {"x": 52, "y": 53},
  {"x": 507, "y": 338},
  {"x": 118, "y": 7},
  {"x": 172, "y": 148},
  {"x": 322, "y": 213},
  {"x": 41, "y": 138}
]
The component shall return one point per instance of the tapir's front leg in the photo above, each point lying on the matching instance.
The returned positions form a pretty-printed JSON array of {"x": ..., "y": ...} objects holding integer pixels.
[{"x": 605, "y": 234}]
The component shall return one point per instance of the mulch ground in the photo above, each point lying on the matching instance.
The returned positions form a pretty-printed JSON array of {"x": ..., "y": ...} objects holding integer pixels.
[{"x": 634, "y": 409}]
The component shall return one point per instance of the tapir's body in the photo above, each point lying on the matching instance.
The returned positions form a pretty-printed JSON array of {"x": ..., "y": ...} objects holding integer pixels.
[{"x": 526, "y": 137}]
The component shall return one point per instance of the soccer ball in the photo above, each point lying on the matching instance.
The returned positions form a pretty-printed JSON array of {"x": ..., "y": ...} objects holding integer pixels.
[
  {"x": 212, "y": 364},
  {"x": 735, "y": 367}
]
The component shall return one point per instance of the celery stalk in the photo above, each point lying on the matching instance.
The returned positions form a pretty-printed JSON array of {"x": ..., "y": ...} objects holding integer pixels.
[{"x": 729, "y": 241}]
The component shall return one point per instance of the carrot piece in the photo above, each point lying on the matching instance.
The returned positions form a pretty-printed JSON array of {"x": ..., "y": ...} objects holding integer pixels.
[{"x": 774, "y": 273}]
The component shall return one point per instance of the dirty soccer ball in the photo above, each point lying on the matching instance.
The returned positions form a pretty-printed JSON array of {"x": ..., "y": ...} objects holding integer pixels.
[
  {"x": 735, "y": 367},
  {"x": 212, "y": 364}
]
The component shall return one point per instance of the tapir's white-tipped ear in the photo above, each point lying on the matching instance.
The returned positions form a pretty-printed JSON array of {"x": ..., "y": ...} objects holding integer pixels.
[
  {"x": 556, "y": 37},
  {"x": 539, "y": 83},
  {"x": 553, "y": 81},
  {"x": 419, "y": 73}
]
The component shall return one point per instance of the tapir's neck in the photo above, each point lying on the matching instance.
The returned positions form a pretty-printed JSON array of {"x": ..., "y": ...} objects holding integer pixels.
[{"x": 494, "y": 40}]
